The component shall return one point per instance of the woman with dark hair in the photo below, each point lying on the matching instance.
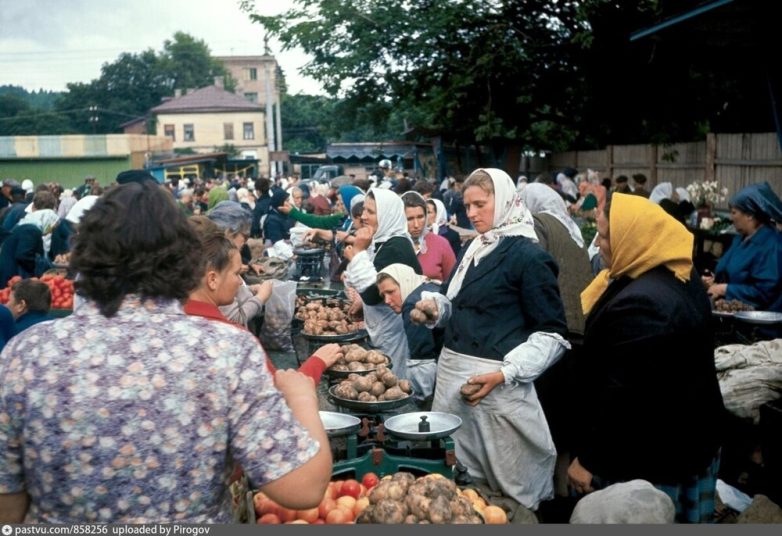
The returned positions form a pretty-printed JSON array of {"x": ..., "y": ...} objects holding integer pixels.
[
  {"x": 277, "y": 225},
  {"x": 751, "y": 270},
  {"x": 131, "y": 411},
  {"x": 433, "y": 251},
  {"x": 654, "y": 406},
  {"x": 24, "y": 252},
  {"x": 504, "y": 326}
]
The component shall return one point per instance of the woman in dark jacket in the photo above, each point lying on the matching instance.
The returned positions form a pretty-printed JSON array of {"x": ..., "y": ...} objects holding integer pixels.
[
  {"x": 651, "y": 405},
  {"x": 504, "y": 326},
  {"x": 383, "y": 240},
  {"x": 277, "y": 225},
  {"x": 23, "y": 253}
]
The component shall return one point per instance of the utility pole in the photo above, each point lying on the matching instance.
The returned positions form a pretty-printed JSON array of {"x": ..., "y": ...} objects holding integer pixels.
[{"x": 93, "y": 109}]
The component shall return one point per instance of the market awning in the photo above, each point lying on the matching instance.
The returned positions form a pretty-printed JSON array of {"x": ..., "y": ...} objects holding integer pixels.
[{"x": 371, "y": 151}]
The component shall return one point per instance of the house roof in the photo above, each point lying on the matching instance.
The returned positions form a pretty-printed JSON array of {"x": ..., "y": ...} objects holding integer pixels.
[
  {"x": 207, "y": 99},
  {"x": 374, "y": 150}
]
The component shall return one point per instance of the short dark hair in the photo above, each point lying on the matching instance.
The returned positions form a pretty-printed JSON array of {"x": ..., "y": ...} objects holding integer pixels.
[
  {"x": 135, "y": 240},
  {"x": 44, "y": 199},
  {"x": 263, "y": 185},
  {"x": 545, "y": 178},
  {"x": 621, "y": 179},
  {"x": 36, "y": 295},
  {"x": 423, "y": 186},
  {"x": 414, "y": 200},
  {"x": 640, "y": 178},
  {"x": 358, "y": 208}
]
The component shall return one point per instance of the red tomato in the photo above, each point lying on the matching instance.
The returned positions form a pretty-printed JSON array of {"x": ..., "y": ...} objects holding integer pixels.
[
  {"x": 350, "y": 487},
  {"x": 269, "y": 519},
  {"x": 370, "y": 480},
  {"x": 310, "y": 516},
  {"x": 339, "y": 516},
  {"x": 326, "y": 506},
  {"x": 286, "y": 514}
]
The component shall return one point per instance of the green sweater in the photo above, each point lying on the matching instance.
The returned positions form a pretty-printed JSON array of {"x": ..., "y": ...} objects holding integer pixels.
[{"x": 317, "y": 222}]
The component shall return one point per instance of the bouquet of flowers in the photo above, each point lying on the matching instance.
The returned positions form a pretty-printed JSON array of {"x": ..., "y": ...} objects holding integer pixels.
[{"x": 706, "y": 193}]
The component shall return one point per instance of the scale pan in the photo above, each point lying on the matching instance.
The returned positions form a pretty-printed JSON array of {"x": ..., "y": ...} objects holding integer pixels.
[
  {"x": 406, "y": 425},
  {"x": 339, "y": 424}
]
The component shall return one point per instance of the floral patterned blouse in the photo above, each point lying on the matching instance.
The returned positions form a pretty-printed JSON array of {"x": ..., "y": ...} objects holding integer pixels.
[{"x": 140, "y": 417}]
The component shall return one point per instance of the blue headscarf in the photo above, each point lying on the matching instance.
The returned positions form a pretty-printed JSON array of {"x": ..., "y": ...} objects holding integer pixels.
[
  {"x": 347, "y": 192},
  {"x": 760, "y": 201}
]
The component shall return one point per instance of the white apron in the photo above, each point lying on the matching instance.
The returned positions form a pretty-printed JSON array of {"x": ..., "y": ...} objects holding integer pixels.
[
  {"x": 387, "y": 333},
  {"x": 505, "y": 439}
]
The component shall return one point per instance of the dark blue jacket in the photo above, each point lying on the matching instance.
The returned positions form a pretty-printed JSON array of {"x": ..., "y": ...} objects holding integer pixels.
[
  {"x": 7, "y": 326},
  {"x": 19, "y": 252},
  {"x": 30, "y": 319},
  {"x": 510, "y": 295},
  {"x": 14, "y": 214},
  {"x": 277, "y": 227}
]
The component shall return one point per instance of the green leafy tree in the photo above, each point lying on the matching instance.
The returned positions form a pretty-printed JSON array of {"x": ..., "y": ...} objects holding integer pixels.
[{"x": 188, "y": 64}]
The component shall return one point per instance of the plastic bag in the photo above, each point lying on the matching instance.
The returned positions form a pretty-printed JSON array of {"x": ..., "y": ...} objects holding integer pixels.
[{"x": 276, "y": 331}]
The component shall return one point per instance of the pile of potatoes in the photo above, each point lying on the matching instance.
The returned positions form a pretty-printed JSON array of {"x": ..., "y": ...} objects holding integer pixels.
[
  {"x": 378, "y": 386},
  {"x": 325, "y": 319},
  {"x": 357, "y": 359},
  {"x": 431, "y": 499}
]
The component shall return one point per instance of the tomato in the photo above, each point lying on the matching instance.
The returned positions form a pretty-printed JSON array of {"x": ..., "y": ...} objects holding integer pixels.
[
  {"x": 269, "y": 519},
  {"x": 339, "y": 516},
  {"x": 310, "y": 516},
  {"x": 350, "y": 487},
  {"x": 370, "y": 480},
  {"x": 326, "y": 505},
  {"x": 286, "y": 514}
]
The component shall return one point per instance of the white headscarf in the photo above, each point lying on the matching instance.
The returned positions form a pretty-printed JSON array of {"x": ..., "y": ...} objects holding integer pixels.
[
  {"x": 421, "y": 241},
  {"x": 391, "y": 220},
  {"x": 684, "y": 195},
  {"x": 567, "y": 185},
  {"x": 82, "y": 205},
  {"x": 664, "y": 190},
  {"x": 405, "y": 277},
  {"x": 45, "y": 220},
  {"x": 539, "y": 198},
  {"x": 511, "y": 218},
  {"x": 441, "y": 216}
]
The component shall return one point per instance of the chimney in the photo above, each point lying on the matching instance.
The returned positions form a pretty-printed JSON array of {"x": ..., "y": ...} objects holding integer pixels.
[
  {"x": 177, "y": 93},
  {"x": 219, "y": 82}
]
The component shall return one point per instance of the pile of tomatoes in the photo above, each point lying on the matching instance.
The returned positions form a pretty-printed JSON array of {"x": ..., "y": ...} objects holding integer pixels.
[
  {"x": 343, "y": 501},
  {"x": 61, "y": 289}
]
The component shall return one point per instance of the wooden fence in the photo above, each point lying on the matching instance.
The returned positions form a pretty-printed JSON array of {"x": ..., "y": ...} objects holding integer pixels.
[{"x": 734, "y": 160}]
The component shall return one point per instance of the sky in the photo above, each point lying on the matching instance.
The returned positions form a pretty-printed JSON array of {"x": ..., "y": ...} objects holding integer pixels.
[{"x": 44, "y": 44}]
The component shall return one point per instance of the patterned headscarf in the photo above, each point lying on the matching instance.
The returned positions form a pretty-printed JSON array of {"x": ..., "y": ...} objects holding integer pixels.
[{"x": 511, "y": 218}]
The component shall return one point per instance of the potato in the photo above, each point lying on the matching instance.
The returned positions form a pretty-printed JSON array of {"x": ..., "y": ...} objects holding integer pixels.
[
  {"x": 394, "y": 393},
  {"x": 469, "y": 389},
  {"x": 428, "y": 307},
  {"x": 389, "y": 512},
  {"x": 356, "y": 365},
  {"x": 346, "y": 392},
  {"x": 380, "y": 370},
  {"x": 378, "y": 388},
  {"x": 379, "y": 492},
  {"x": 418, "y": 317},
  {"x": 389, "y": 379},
  {"x": 397, "y": 491},
  {"x": 339, "y": 367},
  {"x": 405, "y": 386},
  {"x": 364, "y": 397},
  {"x": 362, "y": 384},
  {"x": 466, "y": 520},
  {"x": 353, "y": 377},
  {"x": 440, "y": 510},
  {"x": 404, "y": 478},
  {"x": 461, "y": 506},
  {"x": 375, "y": 357},
  {"x": 418, "y": 505},
  {"x": 411, "y": 520}
]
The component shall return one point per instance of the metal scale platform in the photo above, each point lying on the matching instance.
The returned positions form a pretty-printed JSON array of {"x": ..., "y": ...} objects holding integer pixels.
[{"x": 367, "y": 444}]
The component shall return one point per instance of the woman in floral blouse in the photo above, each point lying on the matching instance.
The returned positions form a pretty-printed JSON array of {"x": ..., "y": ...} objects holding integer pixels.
[{"x": 131, "y": 411}]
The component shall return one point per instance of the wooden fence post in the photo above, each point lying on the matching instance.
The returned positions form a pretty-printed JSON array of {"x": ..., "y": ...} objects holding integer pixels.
[
  {"x": 610, "y": 162},
  {"x": 653, "y": 164},
  {"x": 711, "y": 157}
]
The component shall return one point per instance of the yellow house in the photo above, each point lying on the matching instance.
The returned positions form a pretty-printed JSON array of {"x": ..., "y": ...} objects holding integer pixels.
[{"x": 209, "y": 118}]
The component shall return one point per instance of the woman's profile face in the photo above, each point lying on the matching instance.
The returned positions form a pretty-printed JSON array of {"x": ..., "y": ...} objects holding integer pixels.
[
  {"x": 391, "y": 294},
  {"x": 744, "y": 223},
  {"x": 431, "y": 214},
  {"x": 229, "y": 280},
  {"x": 416, "y": 220},
  {"x": 369, "y": 215},
  {"x": 480, "y": 208},
  {"x": 603, "y": 242}
]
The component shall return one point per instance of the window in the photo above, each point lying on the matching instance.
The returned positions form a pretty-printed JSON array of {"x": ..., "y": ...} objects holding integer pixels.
[
  {"x": 189, "y": 132},
  {"x": 228, "y": 131},
  {"x": 252, "y": 73},
  {"x": 252, "y": 97},
  {"x": 249, "y": 131},
  {"x": 169, "y": 131}
]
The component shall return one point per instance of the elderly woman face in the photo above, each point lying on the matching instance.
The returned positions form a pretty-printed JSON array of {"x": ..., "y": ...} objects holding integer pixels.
[
  {"x": 480, "y": 208},
  {"x": 369, "y": 216},
  {"x": 603, "y": 242},
  {"x": 297, "y": 196},
  {"x": 745, "y": 224}
]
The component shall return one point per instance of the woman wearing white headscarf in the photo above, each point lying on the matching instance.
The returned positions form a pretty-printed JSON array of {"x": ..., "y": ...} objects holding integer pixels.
[
  {"x": 401, "y": 289},
  {"x": 504, "y": 326},
  {"x": 664, "y": 190},
  {"x": 434, "y": 252},
  {"x": 437, "y": 218},
  {"x": 382, "y": 241},
  {"x": 539, "y": 198}
]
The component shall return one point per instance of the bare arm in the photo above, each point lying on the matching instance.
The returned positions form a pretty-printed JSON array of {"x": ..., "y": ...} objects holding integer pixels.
[
  {"x": 303, "y": 487},
  {"x": 13, "y": 507}
]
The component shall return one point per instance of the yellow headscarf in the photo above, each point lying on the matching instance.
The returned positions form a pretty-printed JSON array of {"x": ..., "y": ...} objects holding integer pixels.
[{"x": 643, "y": 236}]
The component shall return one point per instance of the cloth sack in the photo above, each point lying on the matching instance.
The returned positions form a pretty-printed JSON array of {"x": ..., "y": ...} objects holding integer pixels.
[{"x": 276, "y": 331}]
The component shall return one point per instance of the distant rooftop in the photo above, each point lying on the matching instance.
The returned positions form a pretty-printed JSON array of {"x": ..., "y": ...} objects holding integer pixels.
[{"x": 207, "y": 99}]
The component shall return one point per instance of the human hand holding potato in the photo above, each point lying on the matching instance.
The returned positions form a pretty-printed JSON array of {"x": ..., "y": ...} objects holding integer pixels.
[
  {"x": 485, "y": 383},
  {"x": 329, "y": 353},
  {"x": 425, "y": 311},
  {"x": 295, "y": 386}
]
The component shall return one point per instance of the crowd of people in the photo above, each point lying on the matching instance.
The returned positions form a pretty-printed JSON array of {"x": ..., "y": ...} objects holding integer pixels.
[{"x": 570, "y": 371}]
